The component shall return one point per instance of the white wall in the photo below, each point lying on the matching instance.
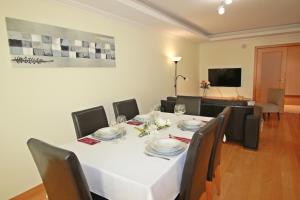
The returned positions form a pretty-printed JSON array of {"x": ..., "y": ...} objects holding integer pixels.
[
  {"x": 235, "y": 53},
  {"x": 37, "y": 102}
]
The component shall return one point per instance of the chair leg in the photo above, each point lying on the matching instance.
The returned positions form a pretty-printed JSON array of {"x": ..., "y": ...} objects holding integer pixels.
[
  {"x": 278, "y": 116},
  {"x": 218, "y": 179},
  {"x": 264, "y": 116},
  {"x": 209, "y": 190}
]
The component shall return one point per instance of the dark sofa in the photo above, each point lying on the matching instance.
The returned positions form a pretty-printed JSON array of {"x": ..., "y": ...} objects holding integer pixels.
[{"x": 244, "y": 120}]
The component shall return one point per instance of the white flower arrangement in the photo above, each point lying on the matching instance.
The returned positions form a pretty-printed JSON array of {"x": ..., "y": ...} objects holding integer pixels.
[
  {"x": 153, "y": 127},
  {"x": 161, "y": 123}
]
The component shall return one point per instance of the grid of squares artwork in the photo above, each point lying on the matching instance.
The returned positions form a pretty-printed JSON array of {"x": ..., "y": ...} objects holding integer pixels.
[{"x": 43, "y": 45}]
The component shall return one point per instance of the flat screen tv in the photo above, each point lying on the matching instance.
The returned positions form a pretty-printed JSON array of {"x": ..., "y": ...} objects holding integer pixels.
[{"x": 225, "y": 77}]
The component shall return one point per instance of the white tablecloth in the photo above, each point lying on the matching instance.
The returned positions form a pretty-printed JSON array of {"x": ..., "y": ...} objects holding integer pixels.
[{"x": 121, "y": 171}]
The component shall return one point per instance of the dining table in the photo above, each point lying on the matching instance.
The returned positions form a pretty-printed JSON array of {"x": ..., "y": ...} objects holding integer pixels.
[{"x": 120, "y": 170}]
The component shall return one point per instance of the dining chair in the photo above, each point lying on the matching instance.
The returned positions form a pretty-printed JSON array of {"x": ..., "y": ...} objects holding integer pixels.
[
  {"x": 61, "y": 172},
  {"x": 129, "y": 108},
  {"x": 275, "y": 102},
  {"x": 214, "y": 167},
  {"x": 193, "y": 183},
  {"x": 192, "y": 104},
  {"x": 89, "y": 120}
]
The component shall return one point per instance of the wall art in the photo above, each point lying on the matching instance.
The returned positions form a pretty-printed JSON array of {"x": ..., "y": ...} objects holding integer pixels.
[{"x": 35, "y": 44}]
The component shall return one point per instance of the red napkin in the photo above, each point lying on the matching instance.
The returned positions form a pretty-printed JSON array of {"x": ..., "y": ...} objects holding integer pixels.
[
  {"x": 89, "y": 141},
  {"x": 135, "y": 123},
  {"x": 182, "y": 139}
]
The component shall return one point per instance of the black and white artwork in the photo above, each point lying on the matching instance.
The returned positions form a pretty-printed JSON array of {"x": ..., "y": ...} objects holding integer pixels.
[{"x": 35, "y": 44}]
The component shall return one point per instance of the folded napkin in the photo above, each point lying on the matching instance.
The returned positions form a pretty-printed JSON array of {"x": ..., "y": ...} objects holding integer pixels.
[
  {"x": 89, "y": 141},
  {"x": 135, "y": 123},
  {"x": 182, "y": 139}
]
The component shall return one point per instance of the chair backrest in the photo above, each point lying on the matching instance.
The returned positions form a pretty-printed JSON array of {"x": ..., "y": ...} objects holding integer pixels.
[
  {"x": 276, "y": 96},
  {"x": 60, "y": 171},
  {"x": 89, "y": 120},
  {"x": 128, "y": 108},
  {"x": 192, "y": 104},
  {"x": 215, "y": 157},
  {"x": 196, "y": 165}
]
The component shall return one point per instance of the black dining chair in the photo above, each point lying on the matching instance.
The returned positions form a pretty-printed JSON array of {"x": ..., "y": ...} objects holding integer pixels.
[
  {"x": 61, "y": 172},
  {"x": 88, "y": 121},
  {"x": 129, "y": 108},
  {"x": 193, "y": 183},
  {"x": 192, "y": 104},
  {"x": 214, "y": 169}
]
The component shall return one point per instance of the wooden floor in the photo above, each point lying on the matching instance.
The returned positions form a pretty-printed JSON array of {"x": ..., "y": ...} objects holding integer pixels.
[{"x": 272, "y": 172}]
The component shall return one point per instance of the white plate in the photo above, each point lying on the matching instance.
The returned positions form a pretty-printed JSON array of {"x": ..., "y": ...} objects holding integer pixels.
[
  {"x": 167, "y": 145},
  {"x": 143, "y": 118},
  {"x": 106, "y": 133},
  {"x": 192, "y": 123},
  {"x": 172, "y": 153}
]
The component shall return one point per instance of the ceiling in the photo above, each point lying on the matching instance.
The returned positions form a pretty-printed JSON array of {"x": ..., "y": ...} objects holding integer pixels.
[{"x": 199, "y": 18}]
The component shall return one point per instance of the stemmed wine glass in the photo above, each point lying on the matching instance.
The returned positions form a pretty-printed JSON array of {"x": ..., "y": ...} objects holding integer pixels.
[
  {"x": 179, "y": 109},
  {"x": 155, "y": 112}
]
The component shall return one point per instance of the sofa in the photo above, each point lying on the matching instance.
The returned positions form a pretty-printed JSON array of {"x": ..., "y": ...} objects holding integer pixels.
[{"x": 244, "y": 121}]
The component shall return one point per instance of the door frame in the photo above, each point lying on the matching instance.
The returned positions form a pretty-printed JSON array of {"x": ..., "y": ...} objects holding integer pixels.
[{"x": 256, "y": 61}]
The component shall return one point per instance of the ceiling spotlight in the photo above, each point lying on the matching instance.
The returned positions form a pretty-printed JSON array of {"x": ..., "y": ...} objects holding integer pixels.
[
  {"x": 221, "y": 9},
  {"x": 228, "y": 2}
]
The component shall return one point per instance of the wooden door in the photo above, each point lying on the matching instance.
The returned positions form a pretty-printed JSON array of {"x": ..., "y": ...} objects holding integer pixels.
[{"x": 270, "y": 71}]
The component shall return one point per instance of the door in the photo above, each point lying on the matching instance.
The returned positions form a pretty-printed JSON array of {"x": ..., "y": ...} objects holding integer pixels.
[
  {"x": 292, "y": 89},
  {"x": 270, "y": 71}
]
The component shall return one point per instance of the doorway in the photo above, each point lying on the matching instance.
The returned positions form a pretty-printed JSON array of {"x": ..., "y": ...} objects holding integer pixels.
[{"x": 278, "y": 66}]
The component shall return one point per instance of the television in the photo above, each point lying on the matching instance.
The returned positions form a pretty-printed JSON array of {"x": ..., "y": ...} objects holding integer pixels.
[{"x": 225, "y": 77}]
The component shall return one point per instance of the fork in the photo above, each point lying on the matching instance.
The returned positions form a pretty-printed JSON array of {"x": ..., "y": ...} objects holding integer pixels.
[{"x": 157, "y": 156}]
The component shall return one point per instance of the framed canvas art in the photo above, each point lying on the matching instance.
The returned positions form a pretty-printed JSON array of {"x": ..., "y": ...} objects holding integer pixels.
[{"x": 35, "y": 44}]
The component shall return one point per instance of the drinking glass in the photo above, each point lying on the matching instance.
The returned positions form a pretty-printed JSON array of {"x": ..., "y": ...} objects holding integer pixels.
[
  {"x": 121, "y": 119},
  {"x": 179, "y": 109}
]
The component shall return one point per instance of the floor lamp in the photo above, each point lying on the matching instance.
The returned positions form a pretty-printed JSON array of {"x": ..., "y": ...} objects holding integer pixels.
[{"x": 176, "y": 60}]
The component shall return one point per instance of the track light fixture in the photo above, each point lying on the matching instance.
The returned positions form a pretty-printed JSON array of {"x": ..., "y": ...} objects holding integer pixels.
[{"x": 221, "y": 8}]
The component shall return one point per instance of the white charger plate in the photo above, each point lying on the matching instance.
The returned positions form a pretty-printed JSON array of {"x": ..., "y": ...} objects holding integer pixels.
[
  {"x": 166, "y": 146},
  {"x": 107, "y": 133},
  {"x": 190, "y": 125}
]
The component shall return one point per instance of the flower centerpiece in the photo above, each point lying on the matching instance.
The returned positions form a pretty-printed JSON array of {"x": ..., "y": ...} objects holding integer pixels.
[
  {"x": 153, "y": 127},
  {"x": 205, "y": 86}
]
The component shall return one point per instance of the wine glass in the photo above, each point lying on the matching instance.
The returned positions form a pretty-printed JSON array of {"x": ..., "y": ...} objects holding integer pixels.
[
  {"x": 112, "y": 123},
  {"x": 155, "y": 112},
  {"x": 156, "y": 107},
  {"x": 179, "y": 109},
  {"x": 121, "y": 119}
]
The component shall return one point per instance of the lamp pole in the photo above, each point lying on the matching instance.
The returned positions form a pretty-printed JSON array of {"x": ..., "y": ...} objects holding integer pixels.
[
  {"x": 175, "y": 80},
  {"x": 176, "y": 60}
]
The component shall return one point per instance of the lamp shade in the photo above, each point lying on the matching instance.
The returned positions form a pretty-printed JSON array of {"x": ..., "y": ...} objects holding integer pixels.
[{"x": 176, "y": 58}]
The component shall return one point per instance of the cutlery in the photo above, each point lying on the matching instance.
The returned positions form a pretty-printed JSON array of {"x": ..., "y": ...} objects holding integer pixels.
[
  {"x": 157, "y": 156},
  {"x": 202, "y": 120}
]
